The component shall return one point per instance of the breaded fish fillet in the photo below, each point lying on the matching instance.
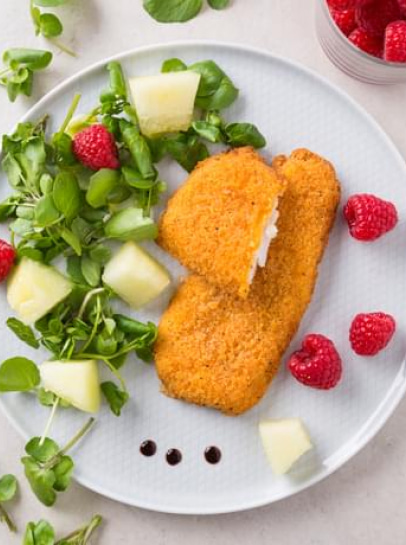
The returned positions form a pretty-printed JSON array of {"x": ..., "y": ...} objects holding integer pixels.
[
  {"x": 217, "y": 350},
  {"x": 219, "y": 224}
]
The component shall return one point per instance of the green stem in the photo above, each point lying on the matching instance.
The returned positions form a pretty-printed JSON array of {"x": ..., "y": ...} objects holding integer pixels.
[
  {"x": 84, "y": 533},
  {"x": 49, "y": 422},
  {"x": 5, "y": 517},
  {"x": 95, "y": 326},
  {"x": 87, "y": 299},
  {"x": 70, "y": 444},
  {"x": 115, "y": 372},
  {"x": 63, "y": 47},
  {"x": 70, "y": 113}
]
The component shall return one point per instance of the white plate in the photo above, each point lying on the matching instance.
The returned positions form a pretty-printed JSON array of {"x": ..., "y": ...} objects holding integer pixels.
[{"x": 294, "y": 108}]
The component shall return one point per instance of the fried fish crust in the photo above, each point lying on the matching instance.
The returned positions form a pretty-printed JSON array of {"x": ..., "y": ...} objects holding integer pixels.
[
  {"x": 214, "y": 224},
  {"x": 221, "y": 351}
]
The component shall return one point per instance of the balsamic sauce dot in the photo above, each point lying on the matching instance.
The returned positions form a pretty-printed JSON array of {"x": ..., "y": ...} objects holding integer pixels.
[
  {"x": 148, "y": 448},
  {"x": 173, "y": 456},
  {"x": 212, "y": 455}
]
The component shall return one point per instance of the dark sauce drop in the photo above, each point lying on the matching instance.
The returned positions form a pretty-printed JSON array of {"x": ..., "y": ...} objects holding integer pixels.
[
  {"x": 173, "y": 456},
  {"x": 148, "y": 448},
  {"x": 212, "y": 455}
]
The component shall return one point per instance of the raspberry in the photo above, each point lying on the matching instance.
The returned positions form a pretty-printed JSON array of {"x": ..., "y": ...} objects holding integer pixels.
[
  {"x": 402, "y": 6},
  {"x": 317, "y": 363},
  {"x": 371, "y": 333},
  {"x": 395, "y": 42},
  {"x": 344, "y": 19},
  {"x": 369, "y": 217},
  {"x": 366, "y": 42},
  {"x": 374, "y": 16},
  {"x": 342, "y": 4},
  {"x": 7, "y": 257},
  {"x": 95, "y": 148}
]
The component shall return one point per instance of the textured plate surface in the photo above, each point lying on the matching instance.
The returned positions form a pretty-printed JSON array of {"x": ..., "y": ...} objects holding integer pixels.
[{"x": 294, "y": 108}]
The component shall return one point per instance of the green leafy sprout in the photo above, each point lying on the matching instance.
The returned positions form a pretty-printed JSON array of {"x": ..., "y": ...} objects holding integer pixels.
[
  {"x": 48, "y": 25},
  {"x": 8, "y": 491},
  {"x": 179, "y": 11},
  {"x": 42, "y": 533}
]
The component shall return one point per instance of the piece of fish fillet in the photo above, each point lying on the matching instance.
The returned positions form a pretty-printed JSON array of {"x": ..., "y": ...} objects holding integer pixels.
[
  {"x": 217, "y": 350},
  {"x": 220, "y": 223}
]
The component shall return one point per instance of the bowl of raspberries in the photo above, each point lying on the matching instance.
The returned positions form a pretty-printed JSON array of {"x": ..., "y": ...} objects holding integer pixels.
[{"x": 365, "y": 38}]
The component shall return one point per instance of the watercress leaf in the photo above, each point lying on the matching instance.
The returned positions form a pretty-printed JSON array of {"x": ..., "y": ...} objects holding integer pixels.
[
  {"x": 62, "y": 148},
  {"x": 106, "y": 344},
  {"x": 40, "y": 533},
  {"x": 119, "y": 361},
  {"x": 218, "y": 4},
  {"x": 19, "y": 76},
  {"x": 100, "y": 253},
  {"x": 36, "y": 18},
  {"x": 8, "y": 488},
  {"x": 23, "y": 332},
  {"x": 26, "y": 85},
  {"x": 41, "y": 481},
  {"x": 41, "y": 452},
  {"x": 21, "y": 227},
  {"x": 50, "y": 25},
  {"x": 45, "y": 212},
  {"x": 100, "y": 185},
  {"x": 244, "y": 134},
  {"x": 173, "y": 65},
  {"x": 74, "y": 269},
  {"x": 223, "y": 97},
  {"x": 47, "y": 399},
  {"x": 49, "y": 3},
  {"x": 63, "y": 473},
  {"x": 66, "y": 195},
  {"x": 70, "y": 238},
  {"x": 115, "y": 397},
  {"x": 211, "y": 76},
  {"x": 187, "y": 151},
  {"x": 6, "y": 210},
  {"x": 173, "y": 11},
  {"x": 91, "y": 271},
  {"x": 18, "y": 375},
  {"x": 31, "y": 253},
  {"x": 134, "y": 178},
  {"x": 207, "y": 131},
  {"x": 13, "y": 90},
  {"x": 25, "y": 212},
  {"x": 130, "y": 224},
  {"x": 46, "y": 183},
  {"x": 82, "y": 229},
  {"x": 138, "y": 148},
  {"x": 157, "y": 147},
  {"x": 145, "y": 353},
  {"x": 34, "y": 59},
  {"x": 13, "y": 170}
]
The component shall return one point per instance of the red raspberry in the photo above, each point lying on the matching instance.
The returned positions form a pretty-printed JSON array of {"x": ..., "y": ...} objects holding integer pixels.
[
  {"x": 364, "y": 41},
  {"x": 95, "y": 148},
  {"x": 344, "y": 19},
  {"x": 342, "y": 4},
  {"x": 317, "y": 363},
  {"x": 7, "y": 257},
  {"x": 395, "y": 42},
  {"x": 374, "y": 16},
  {"x": 402, "y": 6},
  {"x": 371, "y": 333},
  {"x": 369, "y": 217}
]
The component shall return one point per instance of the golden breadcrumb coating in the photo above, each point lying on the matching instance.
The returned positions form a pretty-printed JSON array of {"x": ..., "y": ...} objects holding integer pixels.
[
  {"x": 215, "y": 222},
  {"x": 220, "y": 351}
]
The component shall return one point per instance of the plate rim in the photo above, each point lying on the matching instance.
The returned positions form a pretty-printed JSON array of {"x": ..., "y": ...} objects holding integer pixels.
[{"x": 394, "y": 394}]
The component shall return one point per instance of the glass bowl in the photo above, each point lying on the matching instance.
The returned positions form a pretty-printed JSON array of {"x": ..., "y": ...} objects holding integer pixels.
[{"x": 349, "y": 58}]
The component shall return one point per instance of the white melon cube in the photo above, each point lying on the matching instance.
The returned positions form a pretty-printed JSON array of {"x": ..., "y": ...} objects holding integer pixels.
[
  {"x": 34, "y": 289},
  {"x": 135, "y": 276},
  {"x": 76, "y": 382},
  {"x": 165, "y": 102},
  {"x": 284, "y": 442}
]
